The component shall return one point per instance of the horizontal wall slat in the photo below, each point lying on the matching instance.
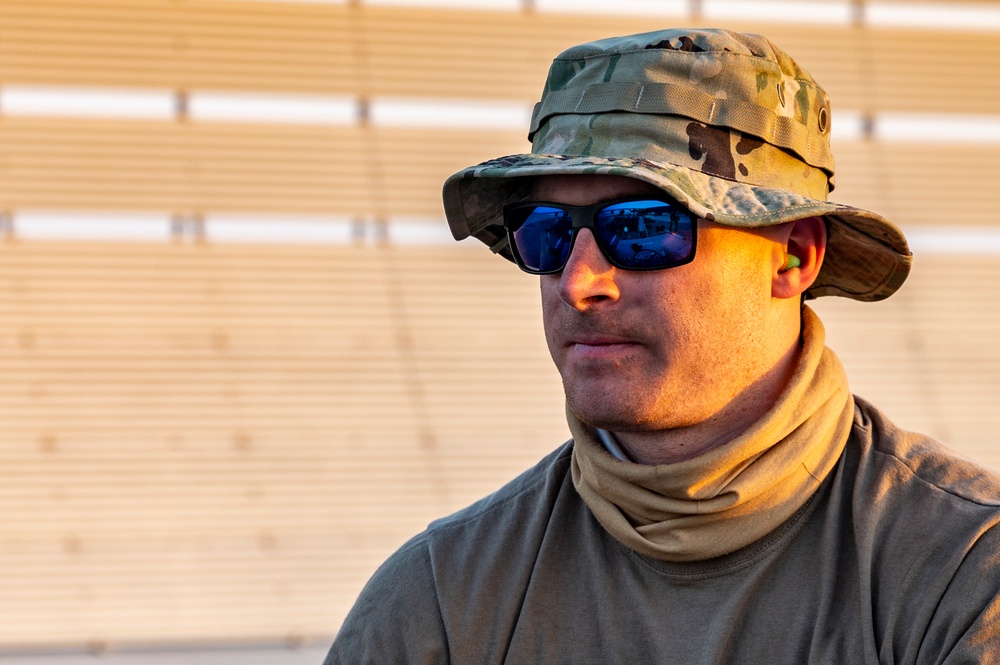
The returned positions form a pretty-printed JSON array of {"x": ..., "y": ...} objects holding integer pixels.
[
  {"x": 351, "y": 171},
  {"x": 211, "y": 167},
  {"x": 448, "y": 53}
]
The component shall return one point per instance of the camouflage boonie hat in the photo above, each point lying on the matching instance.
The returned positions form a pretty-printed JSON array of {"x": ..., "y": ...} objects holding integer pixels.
[{"x": 726, "y": 123}]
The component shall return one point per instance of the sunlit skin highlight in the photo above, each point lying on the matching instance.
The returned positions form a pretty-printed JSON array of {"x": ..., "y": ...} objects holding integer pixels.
[{"x": 675, "y": 362}]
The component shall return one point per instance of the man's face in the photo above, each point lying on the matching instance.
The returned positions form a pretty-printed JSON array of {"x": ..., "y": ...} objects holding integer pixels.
[{"x": 642, "y": 351}]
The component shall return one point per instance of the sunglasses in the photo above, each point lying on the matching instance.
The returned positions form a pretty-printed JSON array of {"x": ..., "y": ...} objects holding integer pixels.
[{"x": 634, "y": 233}]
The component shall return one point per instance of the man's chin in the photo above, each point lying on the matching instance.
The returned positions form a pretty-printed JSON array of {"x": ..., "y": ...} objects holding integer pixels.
[
  {"x": 614, "y": 417},
  {"x": 604, "y": 407}
]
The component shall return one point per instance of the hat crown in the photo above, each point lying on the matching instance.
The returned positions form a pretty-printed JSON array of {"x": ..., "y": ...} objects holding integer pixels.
[{"x": 711, "y": 96}]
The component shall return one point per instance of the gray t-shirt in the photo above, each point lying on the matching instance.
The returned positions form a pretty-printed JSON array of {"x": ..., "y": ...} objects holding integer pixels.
[{"x": 894, "y": 560}]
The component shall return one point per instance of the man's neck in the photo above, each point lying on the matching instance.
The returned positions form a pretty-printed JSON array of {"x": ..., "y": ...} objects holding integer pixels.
[{"x": 678, "y": 445}]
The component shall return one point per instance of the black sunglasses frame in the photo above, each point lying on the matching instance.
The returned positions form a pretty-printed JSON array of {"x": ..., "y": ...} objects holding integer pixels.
[{"x": 585, "y": 217}]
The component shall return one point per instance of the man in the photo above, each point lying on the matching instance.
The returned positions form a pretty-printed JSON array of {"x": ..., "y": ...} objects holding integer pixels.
[{"x": 724, "y": 498}]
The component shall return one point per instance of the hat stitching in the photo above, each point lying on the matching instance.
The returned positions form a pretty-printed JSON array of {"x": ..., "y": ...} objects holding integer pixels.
[
  {"x": 829, "y": 206},
  {"x": 764, "y": 60},
  {"x": 594, "y": 160}
]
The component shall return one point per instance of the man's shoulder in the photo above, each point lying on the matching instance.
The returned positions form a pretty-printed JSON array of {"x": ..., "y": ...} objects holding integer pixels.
[
  {"x": 525, "y": 494},
  {"x": 463, "y": 569},
  {"x": 925, "y": 527},
  {"x": 917, "y": 463},
  {"x": 919, "y": 511},
  {"x": 492, "y": 518}
]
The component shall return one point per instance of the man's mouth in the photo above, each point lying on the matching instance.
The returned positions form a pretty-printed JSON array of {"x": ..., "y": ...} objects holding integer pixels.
[{"x": 600, "y": 346}]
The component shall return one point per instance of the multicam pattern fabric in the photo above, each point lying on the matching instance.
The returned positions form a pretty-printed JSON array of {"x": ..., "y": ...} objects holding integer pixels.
[
  {"x": 728, "y": 95},
  {"x": 712, "y": 150},
  {"x": 727, "y": 124}
]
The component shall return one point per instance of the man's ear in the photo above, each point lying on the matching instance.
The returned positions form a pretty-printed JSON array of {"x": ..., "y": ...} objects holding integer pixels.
[{"x": 806, "y": 242}]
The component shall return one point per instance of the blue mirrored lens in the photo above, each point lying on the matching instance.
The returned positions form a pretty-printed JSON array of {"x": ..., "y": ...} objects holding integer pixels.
[
  {"x": 646, "y": 234},
  {"x": 544, "y": 237}
]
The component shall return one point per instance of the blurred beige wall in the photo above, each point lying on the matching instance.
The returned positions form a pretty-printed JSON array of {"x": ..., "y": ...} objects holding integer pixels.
[{"x": 240, "y": 359}]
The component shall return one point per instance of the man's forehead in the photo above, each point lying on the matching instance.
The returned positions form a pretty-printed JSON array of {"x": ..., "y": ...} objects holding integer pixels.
[{"x": 587, "y": 189}]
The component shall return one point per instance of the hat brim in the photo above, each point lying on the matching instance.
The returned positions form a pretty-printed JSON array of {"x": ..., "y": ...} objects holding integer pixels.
[{"x": 867, "y": 257}]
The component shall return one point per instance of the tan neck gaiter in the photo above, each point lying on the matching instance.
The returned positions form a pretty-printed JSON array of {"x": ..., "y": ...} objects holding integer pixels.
[{"x": 736, "y": 493}]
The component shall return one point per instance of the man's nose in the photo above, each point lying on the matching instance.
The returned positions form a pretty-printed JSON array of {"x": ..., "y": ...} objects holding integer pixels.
[{"x": 588, "y": 279}]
